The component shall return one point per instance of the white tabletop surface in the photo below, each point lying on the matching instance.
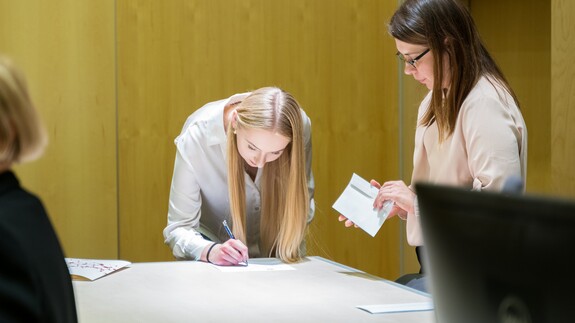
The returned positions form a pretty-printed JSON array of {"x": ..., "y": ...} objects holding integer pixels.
[{"x": 318, "y": 290}]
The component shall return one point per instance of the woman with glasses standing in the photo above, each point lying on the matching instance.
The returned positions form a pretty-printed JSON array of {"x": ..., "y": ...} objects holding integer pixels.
[{"x": 470, "y": 131}]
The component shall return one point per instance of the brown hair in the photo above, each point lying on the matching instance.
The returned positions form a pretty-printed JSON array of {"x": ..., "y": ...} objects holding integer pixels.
[{"x": 447, "y": 28}]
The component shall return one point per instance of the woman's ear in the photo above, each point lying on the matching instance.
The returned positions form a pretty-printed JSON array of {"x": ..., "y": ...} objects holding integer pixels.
[{"x": 234, "y": 119}]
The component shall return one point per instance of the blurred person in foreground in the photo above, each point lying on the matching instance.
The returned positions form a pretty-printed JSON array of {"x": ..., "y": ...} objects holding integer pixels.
[{"x": 35, "y": 285}]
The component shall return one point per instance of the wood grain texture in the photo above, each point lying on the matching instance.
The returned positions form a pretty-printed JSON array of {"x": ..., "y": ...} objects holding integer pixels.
[
  {"x": 66, "y": 50},
  {"x": 562, "y": 97},
  {"x": 174, "y": 56},
  {"x": 517, "y": 36},
  {"x": 336, "y": 59}
]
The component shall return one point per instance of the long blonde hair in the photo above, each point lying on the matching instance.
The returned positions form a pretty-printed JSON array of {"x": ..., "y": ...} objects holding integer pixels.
[
  {"x": 285, "y": 198},
  {"x": 22, "y": 137}
]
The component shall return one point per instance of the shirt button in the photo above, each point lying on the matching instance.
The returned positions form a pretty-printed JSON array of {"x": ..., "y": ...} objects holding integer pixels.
[{"x": 257, "y": 208}]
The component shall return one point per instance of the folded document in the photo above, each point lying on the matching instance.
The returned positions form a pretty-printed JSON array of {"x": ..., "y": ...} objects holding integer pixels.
[
  {"x": 92, "y": 269},
  {"x": 356, "y": 204}
]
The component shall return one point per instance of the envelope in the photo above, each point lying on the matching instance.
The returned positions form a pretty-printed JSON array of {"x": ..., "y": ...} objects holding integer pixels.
[{"x": 356, "y": 204}]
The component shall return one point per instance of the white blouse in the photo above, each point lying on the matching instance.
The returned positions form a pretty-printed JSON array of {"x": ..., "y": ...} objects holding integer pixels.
[{"x": 199, "y": 194}]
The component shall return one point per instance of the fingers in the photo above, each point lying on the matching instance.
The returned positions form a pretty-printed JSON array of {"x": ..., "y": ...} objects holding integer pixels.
[
  {"x": 392, "y": 195},
  {"x": 241, "y": 247},
  {"x": 378, "y": 202},
  {"x": 232, "y": 252},
  {"x": 391, "y": 190},
  {"x": 229, "y": 253},
  {"x": 347, "y": 223},
  {"x": 380, "y": 199}
]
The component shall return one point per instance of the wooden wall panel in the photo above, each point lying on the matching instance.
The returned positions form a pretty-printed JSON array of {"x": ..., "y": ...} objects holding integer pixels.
[
  {"x": 518, "y": 38},
  {"x": 562, "y": 97},
  {"x": 66, "y": 50},
  {"x": 337, "y": 60},
  {"x": 174, "y": 56}
]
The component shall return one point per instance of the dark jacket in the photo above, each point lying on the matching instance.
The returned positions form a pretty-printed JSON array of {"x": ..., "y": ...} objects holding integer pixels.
[{"x": 35, "y": 284}]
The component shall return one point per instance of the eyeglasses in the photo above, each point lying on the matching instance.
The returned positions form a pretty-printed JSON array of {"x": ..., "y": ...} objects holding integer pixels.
[{"x": 413, "y": 61}]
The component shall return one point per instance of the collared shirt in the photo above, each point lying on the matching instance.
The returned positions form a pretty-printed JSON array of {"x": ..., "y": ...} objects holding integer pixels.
[
  {"x": 488, "y": 146},
  {"x": 199, "y": 199}
]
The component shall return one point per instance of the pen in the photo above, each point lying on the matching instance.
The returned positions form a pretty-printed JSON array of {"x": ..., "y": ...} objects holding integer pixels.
[
  {"x": 228, "y": 229},
  {"x": 225, "y": 223}
]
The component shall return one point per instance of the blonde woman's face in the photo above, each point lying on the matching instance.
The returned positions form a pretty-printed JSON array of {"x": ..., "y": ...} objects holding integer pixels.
[{"x": 258, "y": 146}]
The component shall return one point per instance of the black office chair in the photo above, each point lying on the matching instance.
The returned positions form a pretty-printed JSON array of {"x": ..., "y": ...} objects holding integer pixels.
[
  {"x": 410, "y": 278},
  {"x": 512, "y": 185},
  {"x": 405, "y": 279}
]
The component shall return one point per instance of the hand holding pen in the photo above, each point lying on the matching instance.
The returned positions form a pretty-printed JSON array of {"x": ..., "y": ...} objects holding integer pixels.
[
  {"x": 233, "y": 252},
  {"x": 231, "y": 235},
  {"x": 230, "y": 253}
]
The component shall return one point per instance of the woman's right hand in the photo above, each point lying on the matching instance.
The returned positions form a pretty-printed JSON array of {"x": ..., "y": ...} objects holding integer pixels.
[
  {"x": 394, "y": 210},
  {"x": 230, "y": 253}
]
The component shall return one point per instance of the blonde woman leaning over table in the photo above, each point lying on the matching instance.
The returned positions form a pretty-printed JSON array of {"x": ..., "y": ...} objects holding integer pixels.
[{"x": 245, "y": 159}]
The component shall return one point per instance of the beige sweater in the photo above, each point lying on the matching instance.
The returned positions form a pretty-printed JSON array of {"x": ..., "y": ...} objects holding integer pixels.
[{"x": 488, "y": 145}]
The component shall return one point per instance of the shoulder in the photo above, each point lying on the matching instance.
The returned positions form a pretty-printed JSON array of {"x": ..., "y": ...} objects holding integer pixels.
[
  {"x": 487, "y": 100},
  {"x": 488, "y": 91},
  {"x": 17, "y": 202},
  {"x": 24, "y": 216},
  {"x": 212, "y": 111},
  {"x": 22, "y": 213},
  {"x": 306, "y": 121},
  {"x": 306, "y": 127},
  {"x": 205, "y": 114},
  {"x": 204, "y": 125}
]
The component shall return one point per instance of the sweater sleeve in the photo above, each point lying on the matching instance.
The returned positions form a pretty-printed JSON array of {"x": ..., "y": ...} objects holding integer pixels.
[{"x": 493, "y": 143}]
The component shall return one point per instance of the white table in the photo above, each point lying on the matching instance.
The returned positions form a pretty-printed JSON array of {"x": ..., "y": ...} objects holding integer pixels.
[{"x": 318, "y": 290}]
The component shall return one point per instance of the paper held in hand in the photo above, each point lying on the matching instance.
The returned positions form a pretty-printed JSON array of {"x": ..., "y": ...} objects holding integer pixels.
[{"x": 356, "y": 204}]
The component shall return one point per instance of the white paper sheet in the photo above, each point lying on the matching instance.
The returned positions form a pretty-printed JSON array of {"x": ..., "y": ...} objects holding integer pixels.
[
  {"x": 394, "y": 308},
  {"x": 356, "y": 204},
  {"x": 254, "y": 267}
]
